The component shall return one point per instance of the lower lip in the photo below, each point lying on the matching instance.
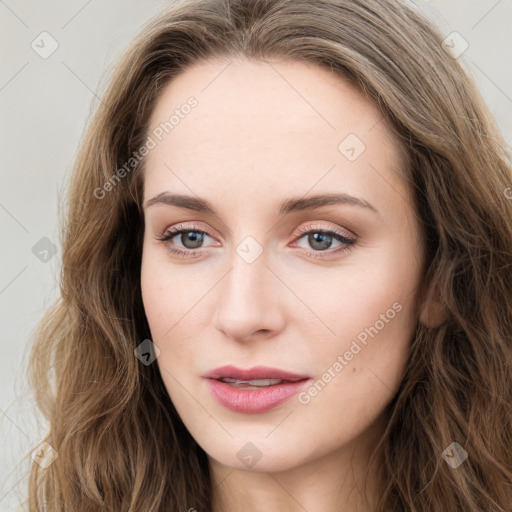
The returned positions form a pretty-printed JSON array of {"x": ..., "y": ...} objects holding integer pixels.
[{"x": 254, "y": 400}]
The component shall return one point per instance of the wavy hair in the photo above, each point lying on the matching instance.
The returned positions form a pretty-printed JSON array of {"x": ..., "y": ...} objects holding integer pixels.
[{"x": 121, "y": 444}]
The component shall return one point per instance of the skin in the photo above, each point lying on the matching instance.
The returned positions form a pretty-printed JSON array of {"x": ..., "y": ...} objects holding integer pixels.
[{"x": 262, "y": 133}]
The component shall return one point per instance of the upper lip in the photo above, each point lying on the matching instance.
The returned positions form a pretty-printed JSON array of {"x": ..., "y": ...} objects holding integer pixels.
[{"x": 257, "y": 372}]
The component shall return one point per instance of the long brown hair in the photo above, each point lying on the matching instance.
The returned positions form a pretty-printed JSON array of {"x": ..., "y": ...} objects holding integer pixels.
[{"x": 121, "y": 445}]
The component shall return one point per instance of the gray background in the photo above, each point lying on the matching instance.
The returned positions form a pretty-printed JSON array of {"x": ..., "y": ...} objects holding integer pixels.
[{"x": 45, "y": 105}]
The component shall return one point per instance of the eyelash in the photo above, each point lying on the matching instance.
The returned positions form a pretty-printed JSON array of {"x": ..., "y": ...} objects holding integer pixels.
[{"x": 338, "y": 235}]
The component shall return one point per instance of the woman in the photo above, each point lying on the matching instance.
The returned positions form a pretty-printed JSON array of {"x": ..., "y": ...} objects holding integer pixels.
[{"x": 286, "y": 274}]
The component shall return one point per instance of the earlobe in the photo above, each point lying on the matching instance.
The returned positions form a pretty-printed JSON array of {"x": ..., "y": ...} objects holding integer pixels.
[{"x": 433, "y": 314}]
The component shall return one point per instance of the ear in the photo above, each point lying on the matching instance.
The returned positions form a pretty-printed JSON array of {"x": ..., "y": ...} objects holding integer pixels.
[{"x": 433, "y": 314}]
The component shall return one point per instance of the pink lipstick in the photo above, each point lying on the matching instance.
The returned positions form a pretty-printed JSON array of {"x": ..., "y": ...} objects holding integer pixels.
[{"x": 258, "y": 389}]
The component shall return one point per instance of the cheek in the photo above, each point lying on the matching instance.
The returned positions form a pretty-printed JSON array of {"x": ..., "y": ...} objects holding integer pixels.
[
  {"x": 369, "y": 305},
  {"x": 172, "y": 304},
  {"x": 156, "y": 301},
  {"x": 161, "y": 304},
  {"x": 354, "y": 297},
  {"x": 166, "y": 292},
  {"x": 360, "y": 370}
]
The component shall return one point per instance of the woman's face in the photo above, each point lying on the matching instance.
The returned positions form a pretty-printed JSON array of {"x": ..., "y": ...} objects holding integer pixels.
[{"x": 300, "y": 252}]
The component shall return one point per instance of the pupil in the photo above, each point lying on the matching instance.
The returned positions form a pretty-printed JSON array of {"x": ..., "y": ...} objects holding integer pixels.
[
  {"x": 196, "y": 238},
  {"x": 321, "y": 238}
]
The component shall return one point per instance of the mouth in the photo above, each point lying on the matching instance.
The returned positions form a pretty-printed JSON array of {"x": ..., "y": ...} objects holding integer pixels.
[
  {"x": 251, "y": 384},
  {"x": 257, "y": 373},
  {"x": 256, "y": 390}
]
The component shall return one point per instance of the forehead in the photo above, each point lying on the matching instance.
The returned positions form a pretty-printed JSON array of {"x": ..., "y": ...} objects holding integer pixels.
[{"x": 263, "y": 126}]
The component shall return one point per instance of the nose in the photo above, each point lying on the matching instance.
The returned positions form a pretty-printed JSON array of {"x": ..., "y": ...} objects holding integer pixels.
[{"x": 250, "y": 301}]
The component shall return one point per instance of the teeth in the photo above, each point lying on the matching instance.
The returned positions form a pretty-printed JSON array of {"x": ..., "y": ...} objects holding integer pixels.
[{"x": 256, "y": 382}]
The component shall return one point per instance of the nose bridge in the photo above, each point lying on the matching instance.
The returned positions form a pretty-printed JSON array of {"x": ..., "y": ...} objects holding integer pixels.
[{"x": 248, "y": 297}]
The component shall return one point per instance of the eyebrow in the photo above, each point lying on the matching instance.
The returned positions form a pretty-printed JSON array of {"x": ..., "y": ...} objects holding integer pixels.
[{"x": 289, "y": 206}]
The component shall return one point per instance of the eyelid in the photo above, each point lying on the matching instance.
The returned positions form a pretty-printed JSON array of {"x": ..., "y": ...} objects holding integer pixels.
[
  {"x": 176, "y": 230},
  {"x": 340, "y": 231}
]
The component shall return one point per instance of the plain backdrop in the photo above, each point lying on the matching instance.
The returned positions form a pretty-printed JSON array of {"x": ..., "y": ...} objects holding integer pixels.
[{"x": 45, "y": 104}]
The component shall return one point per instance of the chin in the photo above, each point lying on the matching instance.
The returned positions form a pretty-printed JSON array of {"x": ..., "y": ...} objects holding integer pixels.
[{"x": 257, "y": 454}]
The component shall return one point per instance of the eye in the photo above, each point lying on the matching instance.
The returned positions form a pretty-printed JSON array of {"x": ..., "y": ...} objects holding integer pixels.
[
  {"x": 321, "y": 239},
  {"x": 191, "y": 237}
]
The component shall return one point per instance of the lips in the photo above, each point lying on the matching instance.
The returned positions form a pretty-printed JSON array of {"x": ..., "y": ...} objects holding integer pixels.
[
  {"x": 256, "y": 390},
  {"x": 256, "y": 373}
]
